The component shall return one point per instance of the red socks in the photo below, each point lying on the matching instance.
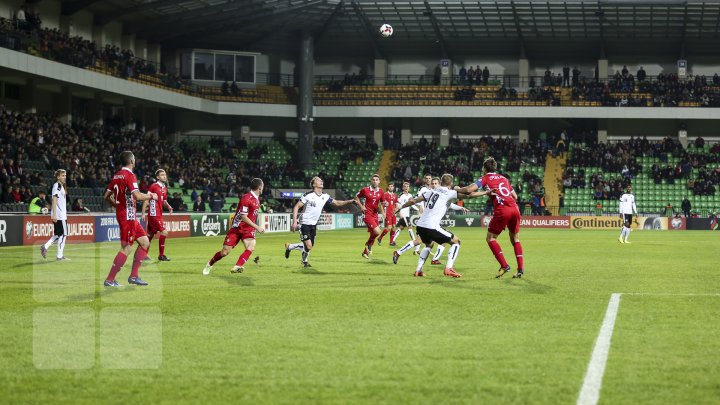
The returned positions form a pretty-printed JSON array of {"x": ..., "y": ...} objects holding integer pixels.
[
  {"x": 371, "y": 240},
  {"x": 140, "y": 255},
  {"x": 392, "y": 237},
  {"x": 519, "y": 254},
  {"x": 497, "y": 251},
  {"x": 384, "y": 232},
  {"x": 244, "y": 257},
  {"x": 215, "y": 258},
  {"x": 119, "y": 261},
  {"x": 161, "y": 243}
]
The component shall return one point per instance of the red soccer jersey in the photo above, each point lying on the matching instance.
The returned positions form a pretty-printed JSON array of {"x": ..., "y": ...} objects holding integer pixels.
[
  {"x": 494, "y": 181},
  {"x": 155, "y": 206},
  {"x": 122, "y": 186},
  {"x": 372, "y": 200},
  {"x": 391, "y": 199},
  {"x": 249, "y": 205}
]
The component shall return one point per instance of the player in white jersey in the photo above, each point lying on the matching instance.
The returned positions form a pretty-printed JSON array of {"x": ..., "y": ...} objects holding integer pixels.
[
  {"x": 313, "y": 202},
  {"x": 427, "y": 185},
  {"x": 627, "y": 209},
  {"x": 58, "y": 216},
  {"x": 404, "y": 214},
  {"x": 440, "y": 248},
  {"x": 429, "y": 230}
]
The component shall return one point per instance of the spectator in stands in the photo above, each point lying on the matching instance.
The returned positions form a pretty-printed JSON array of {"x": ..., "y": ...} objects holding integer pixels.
[
  {"x": 225, "y": 88},
  {"x": 175, "y": 201},
  {"x": 575, "y": 76},
  {"x": 485, "y": 75},
  {"x": 16, "y": 195},
  {"x": 217, "y": 202},
  {"x": 463, "y": 75},
  {"x": 566, "y": 76},
  {"x": 199, "y": 205},
  {"x": 234, "y": 89},
  {"x": 686, "y": 207},
  {"x": 437, "y": 74},
  {"x": 79, "y": 206},
  {"x": 641, "y": 75}
]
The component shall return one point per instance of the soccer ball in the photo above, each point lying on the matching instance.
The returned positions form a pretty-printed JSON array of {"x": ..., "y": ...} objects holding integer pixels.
[{"x": 386, "y": 30}]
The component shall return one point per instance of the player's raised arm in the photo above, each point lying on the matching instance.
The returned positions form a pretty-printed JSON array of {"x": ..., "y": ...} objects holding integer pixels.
[
  {"x": 410, "y": 203},
  {"x": 296, "y": 209}
]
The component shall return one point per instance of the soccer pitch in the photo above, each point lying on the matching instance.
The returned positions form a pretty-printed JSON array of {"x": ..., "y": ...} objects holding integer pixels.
[{"x": 350, "y": 330}]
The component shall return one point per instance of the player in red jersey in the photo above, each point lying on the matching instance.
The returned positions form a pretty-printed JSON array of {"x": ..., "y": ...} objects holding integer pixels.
[
  {"x": 389, "y": 200},
  {"x": 372, "y": 208},
  {"x": 155, "y": 222},
  {"x": 506, "y": 214},
  {"x": 121, "y": 193},
  {"x": 243, "y": 229}
]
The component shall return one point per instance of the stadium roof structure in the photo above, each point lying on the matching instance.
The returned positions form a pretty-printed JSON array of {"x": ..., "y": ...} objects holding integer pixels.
[{"x": 539, "y": 29}]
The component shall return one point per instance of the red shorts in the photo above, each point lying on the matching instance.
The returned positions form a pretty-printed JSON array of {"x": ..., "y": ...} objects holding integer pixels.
[
  {"x": 507, "y": 217},
  {"x": 390, "y": 220},
  {"x": 236, "y": 235},
  {"x": 371, "y": 222},
  {"x": 155, "y": 225},
  {"x": 130, "y": 231}
]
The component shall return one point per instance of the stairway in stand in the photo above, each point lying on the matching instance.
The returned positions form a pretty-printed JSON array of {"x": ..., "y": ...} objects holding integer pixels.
[
  {"x": 386, "y": 165},
  {"x": 554, "y": 167}
]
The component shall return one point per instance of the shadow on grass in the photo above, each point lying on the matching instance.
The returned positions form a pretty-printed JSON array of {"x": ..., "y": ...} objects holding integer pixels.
[{"x": 237, "y": 279}]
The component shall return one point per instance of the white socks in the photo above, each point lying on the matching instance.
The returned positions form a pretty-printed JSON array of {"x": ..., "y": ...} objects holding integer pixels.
[
  {"x": 439, "y": 252},
  {"x": 408, "y": 246},
  {"x": 51, "y": 241},
  {"x": 452, "y": 255},
  {"x": 423, "y": 257},
  {"x": 61, "y": 246}
]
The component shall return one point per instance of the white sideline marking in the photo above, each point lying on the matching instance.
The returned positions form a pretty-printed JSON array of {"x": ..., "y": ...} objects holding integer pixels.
[{"x": 590, "y": 391}]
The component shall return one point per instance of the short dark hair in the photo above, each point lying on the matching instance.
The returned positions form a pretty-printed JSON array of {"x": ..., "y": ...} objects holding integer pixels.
[
  {"x": 125, "y": 158},
  {"x": 255, "y": 183},
  {"x": 375, "y": 175}
]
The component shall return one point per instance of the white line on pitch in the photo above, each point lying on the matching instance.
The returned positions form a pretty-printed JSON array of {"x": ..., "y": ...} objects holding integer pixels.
[
  {"x": 590, "y": 391},
  {"x": 676, "y": 294}
]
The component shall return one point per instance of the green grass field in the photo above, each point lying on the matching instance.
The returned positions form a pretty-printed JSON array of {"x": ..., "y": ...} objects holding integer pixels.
[{"x": 351, "y": 330}]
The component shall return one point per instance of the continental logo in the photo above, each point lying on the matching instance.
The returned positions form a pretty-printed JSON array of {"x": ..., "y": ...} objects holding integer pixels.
[{"x": 595, "y": 222}]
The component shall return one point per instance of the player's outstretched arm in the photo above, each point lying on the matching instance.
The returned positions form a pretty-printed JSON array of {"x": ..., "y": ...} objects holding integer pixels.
[
  {"x": 296, "y": 209},
  {"x": 341, "y": 203},
  {"x": 244, "y": 218},
  {"x": 410, "y": 203},
  {"x": 144, "y": 197},
  {"x": 467, "y": 189}
]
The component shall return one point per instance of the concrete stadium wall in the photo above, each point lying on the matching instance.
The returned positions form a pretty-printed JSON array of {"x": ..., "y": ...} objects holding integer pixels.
[
  {"x": 8, "y": 8},
  {"x": 49, "y": 13}
]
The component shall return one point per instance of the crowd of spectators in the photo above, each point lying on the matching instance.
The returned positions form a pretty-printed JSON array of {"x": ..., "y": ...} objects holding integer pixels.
[
  {"x": 690, "y": 167},
  {"x": 474, "y": 76}
]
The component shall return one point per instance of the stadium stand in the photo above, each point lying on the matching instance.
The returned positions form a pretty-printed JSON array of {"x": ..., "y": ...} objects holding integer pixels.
[{"x": 661, "y": 175}]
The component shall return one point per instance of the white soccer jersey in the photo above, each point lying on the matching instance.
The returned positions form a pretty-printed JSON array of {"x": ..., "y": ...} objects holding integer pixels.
[
  {"x": 314, "y": 205},
  {"x": 402, "y": 199},
  {"x": 60, "y": 208},
  {"x": 627, "y": 204},
  {"x": 436, "y": 205},
  {"x": 420, "y": 192}
]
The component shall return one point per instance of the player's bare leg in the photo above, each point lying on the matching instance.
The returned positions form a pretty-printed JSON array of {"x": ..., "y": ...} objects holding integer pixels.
[
  {"x": 307, "y": 247},
  {"x": 226, "y": 249},
  {"x": 249, "y": 248}
]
